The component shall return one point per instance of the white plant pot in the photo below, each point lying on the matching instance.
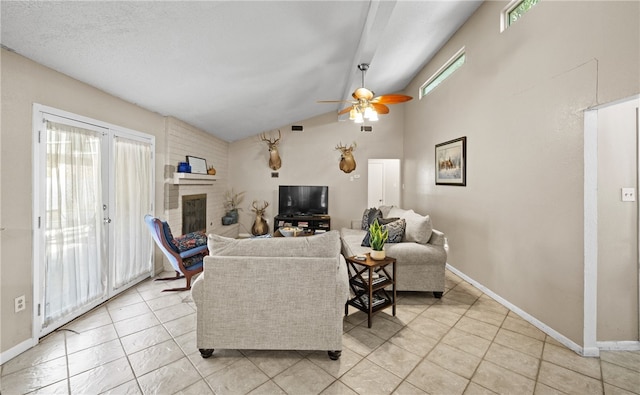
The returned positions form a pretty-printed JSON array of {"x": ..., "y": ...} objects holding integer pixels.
[{"x": 377, "y": 255}]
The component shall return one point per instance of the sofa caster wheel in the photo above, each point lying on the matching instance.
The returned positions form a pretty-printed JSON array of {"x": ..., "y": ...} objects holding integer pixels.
[
  {"x": 206, "y": 352},
  {"x": 334, "y": 355},
  {"x": 438, "y": 295}
]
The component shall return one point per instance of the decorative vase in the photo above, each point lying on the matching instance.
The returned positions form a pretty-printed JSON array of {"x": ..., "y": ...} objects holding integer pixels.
[
  {"x": 234, "y": 215},
  {"x": 184, "y": 167},
  {"x": 377, "y": 255}
]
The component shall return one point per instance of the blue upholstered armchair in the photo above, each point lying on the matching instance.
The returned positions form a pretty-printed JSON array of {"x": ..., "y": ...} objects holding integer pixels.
[{"x": 185, "y": 253}]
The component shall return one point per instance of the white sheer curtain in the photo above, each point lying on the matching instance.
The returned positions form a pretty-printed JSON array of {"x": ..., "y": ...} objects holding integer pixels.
[
  {"x": 75, "y": 264},
  {"x": 132, "y": 241}
]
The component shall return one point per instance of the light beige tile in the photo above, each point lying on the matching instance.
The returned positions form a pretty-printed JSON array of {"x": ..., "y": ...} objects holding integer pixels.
[
  {"x": 102, "y": 378},
  {"x": 174, "y": 312},
  {"x": 513, "y": 360},
  {"x": 542, "y": 389},
  {"x": 164, "y": 301},
  {"x": 467, "y": 342},
  {"x": 50, "y": 348},
  {"x": 218, "y": 361},
  {"x": 478, "y": 328},
  {"x": 433, "y": 379},
  {"x": 145, "y": 338},
  {"x": 383, "y": 328},
  {"x": 613, "y": 390},
  {"x": 501, "y": 380},
  {"x": 90, "y": 338},
  {"x": 268, "y": 388},
  {"x": 406, "y": 388},
  {"x": 304, "y": 378},
  {"x": 567, "y": 380},
  {"x": 361, "y": 341},
  {"x": 404, "y": 315},
  {"x": 59, "y": 388},
  {"x": 124, "y": 312},
  {"x": 338, "y": 388},
  {"x": 199, "y": 388},
  {"x": 454, "y": 360},
  {"x": 518, "y": 342},
  {"x": 126, "y": 298},
  {"x": 488, "y": 316},
  {"x": 487, "y": 303},
  {"x": 274, "y": 362},
  {"x": 429, "y": 327},
  {"x": 347, "y": 360},
  {"x": 620, "y": 377},
  {"x": 239, "y": 377},
  {"x": 468, "y": 288},
  {"x": 369, "y": 378},
  {"x": 187, "y": 342},
  {"x": 522, "y": 327},
  {"x": 95, "y": 318},
  {"x": 182, "y": 325},
  {"x": 441, "y": 315},
  {"x": 394, "y": 359},
  {"x": 152, "y": 358},
  {"x": 129, "y": 388},
  {"x": 355, "y": 317},
  {"x": 566, "y": 358},
  {"x": 35, "y": 377},
  {"x": 627, "y": 359},
  {"x": 450, "y": 305},
  {"x": 461, "y": 295},
  {"x": 95, "y": 356},
  {"x": 413, "y": 341},
  {"x": 476, "y": 389},
  {"x": 136, "y": 324},
  {"x": 169, "y": 379}
]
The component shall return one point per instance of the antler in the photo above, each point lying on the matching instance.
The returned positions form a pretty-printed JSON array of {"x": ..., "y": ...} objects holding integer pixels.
[
  {"x": 256, "y": 209},
  {"x": 353, "y": 146},
  {"x": 263, "y": 137},
  {"x": 340, "y": 146}
]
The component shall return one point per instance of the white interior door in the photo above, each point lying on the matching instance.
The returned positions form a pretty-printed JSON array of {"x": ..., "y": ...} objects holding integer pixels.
[
  {"x": 93, "y": 185},
  {"x": 383, "y": 182}
]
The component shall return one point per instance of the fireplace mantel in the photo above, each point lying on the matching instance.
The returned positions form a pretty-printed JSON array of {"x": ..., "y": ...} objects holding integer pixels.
[{"x": 193, "y": 179}]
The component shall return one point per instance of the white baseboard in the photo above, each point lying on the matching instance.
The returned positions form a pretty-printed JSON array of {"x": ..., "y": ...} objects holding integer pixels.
[
  {"x": 619, "y": 345},
  {"x": 17, "y": 350},
  {"x": 570, "y": 344}
]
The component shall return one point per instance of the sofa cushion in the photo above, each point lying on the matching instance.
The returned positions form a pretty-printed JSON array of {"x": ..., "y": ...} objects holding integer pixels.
[
  {"x": 323, "y": 245},
  {"x": 419, "y": 227},
  {"x": 396, "y": 212},
  {"x": 368, "y": 216},
  {"x": 385, "y": 210},
  {"x": 396, "y": 228}
]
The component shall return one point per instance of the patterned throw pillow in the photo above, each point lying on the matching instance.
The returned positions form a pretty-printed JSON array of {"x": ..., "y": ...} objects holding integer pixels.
[
  {"x": 368, "y": 216},
  {"x": 190, "y": 240},
  {"x": 395, "y": 226}
]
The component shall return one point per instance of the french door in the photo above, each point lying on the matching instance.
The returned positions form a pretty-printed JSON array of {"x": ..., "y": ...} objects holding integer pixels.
[{"x": 93, "y": 184}]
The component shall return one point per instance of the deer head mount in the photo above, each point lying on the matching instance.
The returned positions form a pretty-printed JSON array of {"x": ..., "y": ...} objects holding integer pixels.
[
  {"x": 260, "y": 226},
  {"x": 347, "y": 161},
  {"x": 274, "y": 157}
]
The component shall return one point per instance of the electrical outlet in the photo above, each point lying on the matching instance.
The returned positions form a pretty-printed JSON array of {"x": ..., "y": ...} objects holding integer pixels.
[
  {"x": 20, "y": 303},
  {"x": 628, "y": 194}
]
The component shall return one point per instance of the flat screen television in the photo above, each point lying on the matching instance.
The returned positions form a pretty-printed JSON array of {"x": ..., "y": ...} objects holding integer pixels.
[{"x": 303, "y": 200}]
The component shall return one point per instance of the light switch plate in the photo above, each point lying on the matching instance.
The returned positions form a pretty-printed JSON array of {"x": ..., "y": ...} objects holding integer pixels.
[{"x": 628, "y": 194}]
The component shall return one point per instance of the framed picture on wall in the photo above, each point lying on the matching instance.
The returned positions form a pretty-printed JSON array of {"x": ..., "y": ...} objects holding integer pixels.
[
  {"x": 198, "y": 165},
  {"x": 451, "y": 162}
]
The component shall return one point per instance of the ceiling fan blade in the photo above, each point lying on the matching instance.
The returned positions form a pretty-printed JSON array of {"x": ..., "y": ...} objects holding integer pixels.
[
  {"x": 346, "y": 110},
  {"x": 380, "y": 108},
  {"x": 391, "y": 99}
]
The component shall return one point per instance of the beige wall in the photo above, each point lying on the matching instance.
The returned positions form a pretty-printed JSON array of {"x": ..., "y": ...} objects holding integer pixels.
[
  {"x": 309, "y": 158},
  {"x": 24, "y": 83},
  {"x": 517, "y": 227},
  {"x": 617, "y": 223}
]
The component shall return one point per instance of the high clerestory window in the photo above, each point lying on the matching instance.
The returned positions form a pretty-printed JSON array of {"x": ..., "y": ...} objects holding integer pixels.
[
  {"x": 443, "y": 73},
  {"x": 514, "y": 11}
]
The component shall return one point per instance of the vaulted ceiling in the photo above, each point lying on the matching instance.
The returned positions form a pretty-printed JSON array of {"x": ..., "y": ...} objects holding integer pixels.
[{"x": 233, "y": 68}]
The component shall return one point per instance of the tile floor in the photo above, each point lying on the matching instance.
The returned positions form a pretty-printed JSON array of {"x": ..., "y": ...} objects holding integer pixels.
[{"x": 143, "y": 342}]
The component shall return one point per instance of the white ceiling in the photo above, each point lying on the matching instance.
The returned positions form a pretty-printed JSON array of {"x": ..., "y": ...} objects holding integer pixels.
[{"x": 234, "y": 68}]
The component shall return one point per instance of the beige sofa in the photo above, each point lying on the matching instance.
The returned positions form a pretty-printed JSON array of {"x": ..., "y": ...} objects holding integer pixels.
[
  {"x": 420, "y": 257},
  {"x": 280, "y": 293}
]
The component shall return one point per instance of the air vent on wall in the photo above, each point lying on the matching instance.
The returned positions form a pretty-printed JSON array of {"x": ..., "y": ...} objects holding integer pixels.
[{"x": 296, "y": 128}]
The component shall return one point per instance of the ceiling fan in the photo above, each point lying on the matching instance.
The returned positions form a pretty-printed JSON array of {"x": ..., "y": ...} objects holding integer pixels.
[{"x": 365, "y": 105}]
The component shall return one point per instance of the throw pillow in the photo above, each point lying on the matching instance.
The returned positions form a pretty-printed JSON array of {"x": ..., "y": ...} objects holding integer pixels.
[
  {"x": 368, "y": 216},
  {"x": 395, "y": 226},
  {"x": 419, "y": 227},
  {"x": 190, "y": 240},
  {"x": 385, "y": 210}
]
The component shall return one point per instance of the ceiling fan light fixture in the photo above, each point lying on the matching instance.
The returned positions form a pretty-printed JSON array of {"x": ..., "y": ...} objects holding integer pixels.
[
  {"x": 359, "y": 118},
  {"x": 373, "y": 116},
  {"x": 353, "y": 113},
  {"x": 368, "y": 112}
]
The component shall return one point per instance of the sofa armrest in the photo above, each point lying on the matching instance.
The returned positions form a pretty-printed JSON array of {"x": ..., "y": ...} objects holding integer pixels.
[
  {"x": 356, "y": 223},
  {"x": 437, "y": 238}
]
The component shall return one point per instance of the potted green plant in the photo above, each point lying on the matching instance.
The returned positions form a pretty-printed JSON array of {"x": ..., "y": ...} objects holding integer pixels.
[{"x": 377, "y": 237}]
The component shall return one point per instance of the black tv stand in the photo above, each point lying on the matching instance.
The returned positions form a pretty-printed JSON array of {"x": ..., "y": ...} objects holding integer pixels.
[{"x": 315, "y": 223}]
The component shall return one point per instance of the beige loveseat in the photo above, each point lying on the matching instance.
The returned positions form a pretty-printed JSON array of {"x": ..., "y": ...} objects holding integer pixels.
[
  {"x": 280, "y": 293},
  {"x": 420, "y": 257}
]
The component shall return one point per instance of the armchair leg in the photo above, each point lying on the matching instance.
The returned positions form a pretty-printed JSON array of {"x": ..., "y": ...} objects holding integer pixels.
[
  {"x": 334, "y": 355},
  {"x": 206, "y": 352},
  {"x": 178, "y": 276}
]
